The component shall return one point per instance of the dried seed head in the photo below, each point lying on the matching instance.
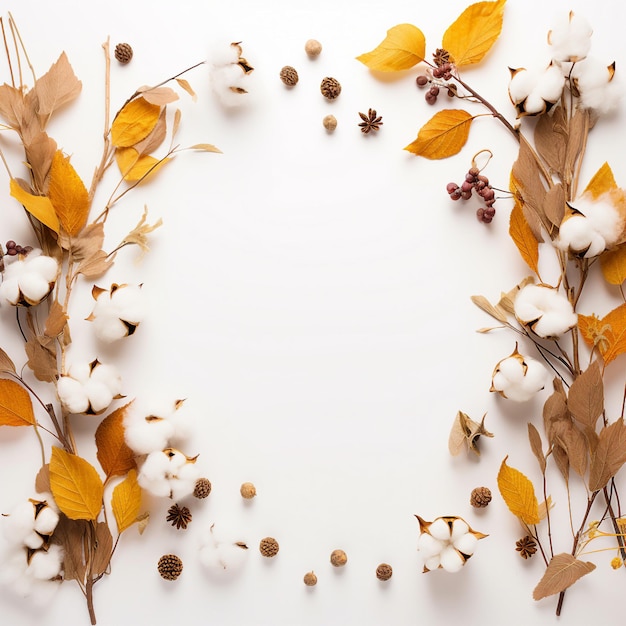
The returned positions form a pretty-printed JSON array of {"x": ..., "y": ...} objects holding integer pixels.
[
  {"x": 123, "y": 53},
  {"x": 526, "y": 547},
  {"x": 289, "y": 75},
  {"x": 202, "y": 488},
  {"x": 338, "y": 558},
  {"x": 313, "y": 48},
  {"x": 310, "y": 579},
  {"x": 179, "y": 516},
  {"x": 170, "y": 566},
  {"x": 384, "y": 571},
  {"x": 330, "y": 88},
  {"x": 480, "y": 497},
  {"x": 248, "y": 491},
  {"x": 330, "y": 123},
  {"x": 268, "y": 547}
]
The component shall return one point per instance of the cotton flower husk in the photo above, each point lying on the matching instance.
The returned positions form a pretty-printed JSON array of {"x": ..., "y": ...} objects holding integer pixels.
[
  {"x": 596, "y": 85},
  {"x": 535, "y": 91},
  {"x": 570, "y": 39},
  {"x": 229, "y": 74},
  {"x": 518, "y": 378},
  {"x": 27, "y": 281},
  {"x": 89, "y": 387},
  {"x": 117, "y": 311},
  {"x": 546, "y": 311}
]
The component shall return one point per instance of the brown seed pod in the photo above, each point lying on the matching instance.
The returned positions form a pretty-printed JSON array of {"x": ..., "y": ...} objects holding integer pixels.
[
  {"x": 330, "y": 88},
  {"x": 384, "y": 571},
  {"x": 289, "y": 75},
  {"x": 268, "y": 547},
  {"x": 313, "y": 48},
  {"x": 123, "y": 53},
  {"x": 330, "y": 123},
  {"x": 247, "y": 491},
  {"x": 338, "y": 558},
  {"x": 310, "y": 579},
  {"x": 170, "y": 566},
  {"x": 480, "y": 497},
  {"x": 202, "y": 488}
]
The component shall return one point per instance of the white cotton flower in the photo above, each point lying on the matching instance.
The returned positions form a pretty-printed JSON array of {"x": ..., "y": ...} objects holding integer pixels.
[
  {"x": 591, "y": 228},
  {"x": 518, "y": 377},
  {"x": 168, "y": 474},
  {"x": 545, "y": 310},
  {"x": 28, "y": 280},
  {"x": 46, "y": 564},
  {"x": 229, "y": 74},
  {"x": 221, "y": 552},
  {"x": 446, "y": 543},
  {"x": 117, "y": 312},
  {"x": 570, "y": 39},
  {"x": 89, "y": 387},
  {"x": 596, "y": 87},
  {"x": 32, "y": 521},
  {"x": 535, "y": 91},
  {"x": 155, "y": 424}
]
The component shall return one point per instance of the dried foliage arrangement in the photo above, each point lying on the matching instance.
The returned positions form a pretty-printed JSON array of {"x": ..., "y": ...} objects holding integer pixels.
[
  {"x": 571, "y": 233},
  {"x": 70, "y": 526}
]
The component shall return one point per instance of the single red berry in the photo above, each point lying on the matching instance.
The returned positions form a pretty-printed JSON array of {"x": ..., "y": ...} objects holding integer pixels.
[
  {"x": 434, "y": 90},
  {"x": 421, "y": 81}
]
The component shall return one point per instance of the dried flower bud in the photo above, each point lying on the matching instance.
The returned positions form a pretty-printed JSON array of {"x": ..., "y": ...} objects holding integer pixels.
[
  {"x": 313, "y": 48},
  {"x": 123, "y": 53},
  {"x": 480, "y": 497},
  {"x": 330, "y": 123},
  {"x": 310, "y": 579},
  {"x": 202, "y": 488},
  {"x": 248, "y": 491},
  {"x": 384, "y": 571},
  {"x": 330, "y": 88},
  {"x": 269, "y": 547},
  {"x": 289, "y": 75},
  {"x": 338, "y": 558},
  {"x": 170, "y": 566}
]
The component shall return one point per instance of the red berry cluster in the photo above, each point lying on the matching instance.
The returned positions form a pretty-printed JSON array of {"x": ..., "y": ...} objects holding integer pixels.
[
  {"x": 14, "y": 249},
  {"x": 474, "y": 180},
  {"x": 440, "y": 73}
]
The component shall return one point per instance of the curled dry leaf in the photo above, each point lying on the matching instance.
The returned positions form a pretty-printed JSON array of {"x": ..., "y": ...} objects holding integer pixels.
[
  {"x": 6, "y": 364},
  {"x": 466, "y": 433}
]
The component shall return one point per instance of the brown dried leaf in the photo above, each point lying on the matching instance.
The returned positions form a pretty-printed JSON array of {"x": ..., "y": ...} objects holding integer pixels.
[
  {"x": 58, "y": 86},
  {"x": 42, "y": 359},
  {"x": 562, "y": 572},
  {"x": 156, "y": 136},
  {"x": 16, "y": 407},
  {"x": 158, "y": 95},
  {"x": 39, "y": 152},
  {"x": 205, "y": 147},
  {"x": 579, "y": 125},
  {"x": 138, "y": 236},
  {"x": 72, "y": 535},
  {"x": 87, "y": 243},
  {"x": 536, "y": 446},
  {"x": 103, "y": 549},
  {"x": 443, "y": 135},
  {"x": 6, "y": 365},
  {"x": 609, "y": 455},
  {"x": 96, "y": 265},
  {"x": 551, "y": 135},
  {"x": 126, "y": 502},
  {"x": 524, "y": 238},
  {"x": 585, "y": 399},
  {"x": 574, "y": 444},
  {"x": 12, "y": 106},
  {"x": 466, "y": 433},
  {"x": 495, "y": 311},
  {"x": 42, "y": 480},
  {"x": 183, "y": 84},
  {"x": 115, "y": 457},
  {"x": 57, "y": 319},
  {"x": 554, "y": 207}
]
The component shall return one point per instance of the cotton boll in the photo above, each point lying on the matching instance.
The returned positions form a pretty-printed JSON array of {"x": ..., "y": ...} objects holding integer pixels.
[
  {"x": 20, "y": 523},
  {"x": 459, "y": 528},
  {"x": 34, "y": 287},
  {"x": 223, "y": 53},
  {"x": 518, "y": 378},
  {"x": 466, "y": 543},
  {"x": 439, "y": 529},
  {"x": 9, "y": 291},
  {"x": 72, "y": 395},
  {"x": 428, "y": 546},
  {"x": 433, "y": 562},
  {"x": 535, "y": 91},
  {"x": 596, "y": 84},
  {"x": 46, "y": 564},
  {"x": 144, "y": 435},
  {"x": 185, "y": 481},
  {"x": 570, "y": 39},
  {"x": 546, "y": 311},
  {"x": 221, "y": 552},
  {"x": 577, "y": 235},
  {"x": 46, "y": 521},
  {"x": 27, "y": 281},
  {"x": 451, "y": 560},
  {"x": 100, "y": 397},
  {"x": 117, "y": 312}
]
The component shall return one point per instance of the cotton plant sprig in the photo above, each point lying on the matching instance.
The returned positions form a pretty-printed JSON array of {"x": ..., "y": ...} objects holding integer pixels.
[
  {"x": 580, "y": 230},
  {"x": 70, "y": 526}
]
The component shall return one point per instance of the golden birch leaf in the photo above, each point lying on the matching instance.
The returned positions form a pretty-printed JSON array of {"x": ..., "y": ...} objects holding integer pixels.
[
  {"x": 443, "y": 135},
  {"x": 519, "y": 494},
  {"x": 474, "y": 32},
  {"x": 613, "y": 264},
  {"x": 609, "y": 454},
  {"x": 76, "y": 485},
  {"x": 134, "y": 122},
  {"x": 602, "y": 181},
  {"x": 16, "y": 407},
  {"x": 6, "y": 364},
  {"x": 403, "y": 47},
  {"x": 134, "y": 166},
  {"x": 562, "y": 572},
  {"x": 68, "y": 194},
  {"x": 39, "y": 207},
  {"x": 126, "y": 502},
  {"x": 56, "y": 87},
  {"x": 523, "y": 237},
  {"x": 115, "y": 457},
  {"x": 585, "y": 399}
]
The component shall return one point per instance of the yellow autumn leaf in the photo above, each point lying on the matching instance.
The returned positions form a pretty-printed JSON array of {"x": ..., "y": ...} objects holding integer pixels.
[
  {"x": 16, "y": 407},
  {"x": 602, "y": 182},
  {"x": 519, "y": 494},
  {"x": 134, "y": 122},
  {"x": 76, "y": 486},
  {"x": 134, "y": 166},
  {"x": 39, "y": 207},
  {"x": 523, "y": 237},
  {"x": 403, "y": 47},
  {"x": 443, "y": 135},
  {"x": 613, "y": 264},
  {"x": 474, "y": 32},
  {"x": 68, "y": 194},
  {"x": 126, "y": 502},
  {"x": 607, "y": 334}
]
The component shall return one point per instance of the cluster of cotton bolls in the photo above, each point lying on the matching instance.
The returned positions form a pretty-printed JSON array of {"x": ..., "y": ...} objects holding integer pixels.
[
  {"x": 152, "y": 431},
  {"x": 28, "y": 279},
  {"x": 534, "y": 91},
  {"x": 229, "y": 73},
  {"x": 117, "y": 312},
  {"x": 518, "y": 377},
  {"x": 32, "y": 565}
]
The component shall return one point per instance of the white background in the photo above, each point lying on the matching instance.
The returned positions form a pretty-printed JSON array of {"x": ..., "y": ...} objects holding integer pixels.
[{"x": 310, "y": 298}]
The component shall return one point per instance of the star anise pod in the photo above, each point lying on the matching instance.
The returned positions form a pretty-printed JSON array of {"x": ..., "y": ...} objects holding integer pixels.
[
  {"x": 178, "y": 516},
  {"x": 441, "y": 56},
  {"x": 371, "y": 121},
  {"x": 526, "y": 547}
]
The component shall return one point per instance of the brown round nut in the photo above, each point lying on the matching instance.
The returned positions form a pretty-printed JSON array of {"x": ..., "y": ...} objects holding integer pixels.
[
  {"x": 338, "y": 558},
  {"x": 247, "y": 491},
  {"x": 313, "y": 48},
  {"x": 384, "y": 571},
  {"x": 330, "y": 123},
  {"x": 289, "y": 75},
  {"x": 480, "y": 497},
  {"x": 310, "y": 579},
  {"x": 170, "y": 566},
  {"x": 202, "y": 488},
  {"x": 123, "y": 53},
  {"x": 269, "y": 547},
  {"x": 330, "y": 88}
]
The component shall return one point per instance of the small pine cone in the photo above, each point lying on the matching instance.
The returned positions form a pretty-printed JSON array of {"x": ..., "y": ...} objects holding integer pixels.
[
  {"x": 170, "y": 566},
  {"x": 123, "y": 53},
  {"x": 384, "y": 571},
  {"x": 330, "y": 88},
  {"x": 269, "y": 547},
  {"x": 202, "y": 488},
  {"x": 480, "y": 497},
  {"x": 338, "y": 558},
  {"x": 289, "y": 75}
]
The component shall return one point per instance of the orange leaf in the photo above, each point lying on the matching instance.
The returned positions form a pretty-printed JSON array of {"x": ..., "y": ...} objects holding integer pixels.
[
  {"x": 126, "y": 502},
  {"x": 114, "y": 455},
  {"x": 403, "y": 47},
  {"x": 134, "y": 166},
  {"x": 524, "y": 238},
  {"x": 519, "y": 494},
  {"x": 76, "y": 485},
  {"x": 607, "y": 334},
  {"x": 68, "y": 194},
  {"x": 613, "y": 264},
  {"x": 39, "y": 207},
  {"x": 443, "y": 135},
  {"x": 134, "y": 122},
  {"x": 16, "y": 407},
  {"x": 602, "y": 181},
  {"x": 474, "y": 32}
]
